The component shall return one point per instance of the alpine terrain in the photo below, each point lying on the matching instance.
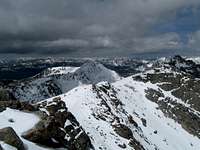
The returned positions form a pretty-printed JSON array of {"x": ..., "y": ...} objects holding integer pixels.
[{"x": 91, "y": 107}]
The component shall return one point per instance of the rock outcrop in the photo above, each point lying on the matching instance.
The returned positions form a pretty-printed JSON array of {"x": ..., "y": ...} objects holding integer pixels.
[{"x": 58, "y": 128}]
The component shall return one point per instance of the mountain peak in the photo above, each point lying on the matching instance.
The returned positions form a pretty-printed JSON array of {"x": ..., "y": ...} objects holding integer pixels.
[{"x": 96, "y": 72}]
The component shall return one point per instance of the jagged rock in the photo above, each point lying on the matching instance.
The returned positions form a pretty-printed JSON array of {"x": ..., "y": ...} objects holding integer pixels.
[
  {"x": 56, "y": 99},
  {"x": 52, "y": 129},
  {"x": 82, "y": 142},
  {"x": 135, "y": 144},
  {"x": 123, "y": 131},
  {"x": 153, "y": 95},
  {"x": 53, "y": 107},
  {"x": 45, "y": 131},
  {"x": 130, "y": 119},
  {"x": 9, "y": 136},
  {"x": 1, "y": 148},
  {"x": 187, "y": 66}
]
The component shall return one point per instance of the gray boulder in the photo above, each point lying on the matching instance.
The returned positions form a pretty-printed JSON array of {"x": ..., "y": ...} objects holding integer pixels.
[{"x": 9, "y": 136}]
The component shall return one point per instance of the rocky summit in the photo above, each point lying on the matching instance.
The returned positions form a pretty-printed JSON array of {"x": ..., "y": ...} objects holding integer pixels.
[{"x": 156, "y": 108}]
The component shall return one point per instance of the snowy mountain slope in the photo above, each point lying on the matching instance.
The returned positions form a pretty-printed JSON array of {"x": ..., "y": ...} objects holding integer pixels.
[
  {"x": 120, "y": 115},
  {"x": 59, "y": 80}
]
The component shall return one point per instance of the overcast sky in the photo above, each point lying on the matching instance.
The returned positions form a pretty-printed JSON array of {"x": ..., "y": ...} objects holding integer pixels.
[{"x": 98, "y": 27}]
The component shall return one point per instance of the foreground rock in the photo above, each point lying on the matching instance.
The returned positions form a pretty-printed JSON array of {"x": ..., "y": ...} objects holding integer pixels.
[
  {"x": 9, "y": 136},
  {"x": 58, "y": 128}
]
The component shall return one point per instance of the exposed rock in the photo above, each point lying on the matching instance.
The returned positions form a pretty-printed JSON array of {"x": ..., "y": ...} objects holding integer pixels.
[
  {"x": 130, "y": 119},
  {"x": 135, "y": 144},
  {"x": 82, "y": 142},
  {"x": 188, "y": 92},
  {"x": 1, "y": 148},
  {"x": 155, "y": 132},
  {"x": 123, "y": 131},
  {"x": 144, "y": 122},
  {"x": 154, "y": 95},
  {"x": 122, "y": 145},
  {"x": 44, "y": 132},
  {"x": 53, "y": 131},
  {"x": 9, "y": 136}
]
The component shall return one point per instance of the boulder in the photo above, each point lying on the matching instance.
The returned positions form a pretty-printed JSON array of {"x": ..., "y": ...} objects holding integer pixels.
[
  {"x": 144, "y": 122},
  {"x": 9, "y": 136},
  {"x": 44, "y": 132},
  {"x": 123, "y": 131}
]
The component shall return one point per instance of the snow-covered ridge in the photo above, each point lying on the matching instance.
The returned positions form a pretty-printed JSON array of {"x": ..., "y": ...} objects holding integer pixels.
[
  {"x": 55, "y": 81},
  {"x": 104, "y": 108}
]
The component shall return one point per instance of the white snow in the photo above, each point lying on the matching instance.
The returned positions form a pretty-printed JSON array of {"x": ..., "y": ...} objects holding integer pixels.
[
  {"x": 22, "y": 121},
  {"x": 59, "y": 70}
]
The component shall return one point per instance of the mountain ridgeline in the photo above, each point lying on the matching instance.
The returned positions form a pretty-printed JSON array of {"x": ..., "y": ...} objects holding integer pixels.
[{"x": 87, "y": 107}]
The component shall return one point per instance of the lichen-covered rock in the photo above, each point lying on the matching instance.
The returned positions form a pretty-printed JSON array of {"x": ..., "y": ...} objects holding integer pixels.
[{"x": 9, "y": 136}]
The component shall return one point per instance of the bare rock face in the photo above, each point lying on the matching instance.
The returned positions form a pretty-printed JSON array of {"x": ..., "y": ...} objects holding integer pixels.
[
  {"x": 9, "y": 136},
  {"x": 58, "y": 128},
  {"x": 46, "y": 132}
]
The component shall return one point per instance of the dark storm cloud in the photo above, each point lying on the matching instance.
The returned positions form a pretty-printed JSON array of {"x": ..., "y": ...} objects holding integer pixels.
[{"x": 87, "y": 26}]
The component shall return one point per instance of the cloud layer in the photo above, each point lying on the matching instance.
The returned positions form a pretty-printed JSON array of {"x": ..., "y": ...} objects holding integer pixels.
[{"x": 98, "y": 27}]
